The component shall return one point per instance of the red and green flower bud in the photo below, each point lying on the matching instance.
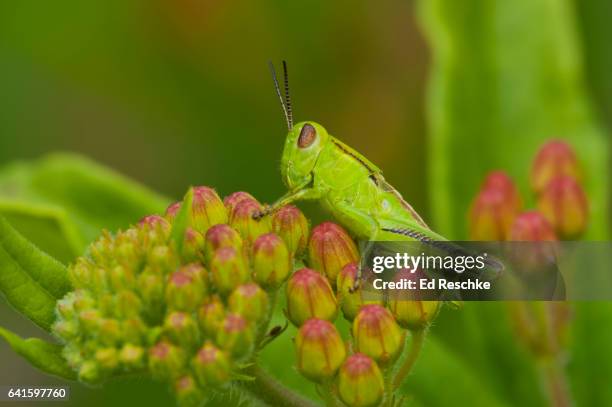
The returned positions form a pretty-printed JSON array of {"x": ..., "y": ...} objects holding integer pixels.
[
  {"x": 188, "y": 393},
  {"x": 271, "y": 261},
  {"x": 90, "y": 320},
  {"x": 309, "y": 295},
  {"x": 242, "y": 219},
  {"x": 173, "y": 210},
  {"x": 211, "y": 315},
  {"x": 532, "y": 259},
  {"x": 128, "y": 304},
  {"x": 236, "y": 335},
  {"x": 500, "y": 181},
  {"x": 220, "y": 236},
  {"x": 152, "y": 291},
  {"x": 228, "y": 270},
  {"x": 89, "y": 372},
  {"x": 492, "y": 212},
  {"x": 377, "y": 334},
  {"x": 564, "y": 204},
  {"x": 132, "y": 356},
  {"x": 121, "y": 278},
  {"x": 154, "y": 222},
  {"x": 166, "y": 360},
  {"x": 66, "y": 329},
  {"x": 250, "y": 301},
  {"x": 320, "y": 350},
  {"x": 182, "y": 329},
  {"x": 193, "y": 246},
  {"x": 107, "y": 359},
  {"x": 360, "y": 382},
  {"x": 161, "y": 258},
  {"x": 415, "y": 314},
  {"x": 211, "y": 365},
  {"x": 109, "y": 331},
  {"x": 235, "y": 198},
  {"x": 350, "y": 294},
  {"x": 186, "y": 288},
  {"x": 555, "y": 158},
  {"x": 532, "y": 226},
  {"x": 133, "y": 330},
  {"x": 409, "y": 310},
  {"x": 291, "y": 225},
  {"x": 207, "y": 209},
  {"x": 330, "y": 249}
]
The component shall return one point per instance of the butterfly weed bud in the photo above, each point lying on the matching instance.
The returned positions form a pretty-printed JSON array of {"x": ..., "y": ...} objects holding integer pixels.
[
  {"x": 208, "y": 209},
  {"x": 320, "y": 350},
  {"x": 531, "y": 226},
  {"x": 128, "y": 304},
  {"x": 250, "y": 301},
  {"x": 211, "y": 365},
  {"x": 132, "y": 356},
  {"x": 377, "y": 334},
  {"x": 491, "y": 213},
  {"x": 360, "y": 382},
  {"x": 235, "y": 198},
  {"x": 109, "y": 331},
  {"x": 210, "y": 316},
  {"x": 219, "y": 236},
  {"x": 414, "y": 314},
  {"x": 350, "y": 293},
  {"x": 500, "y": 181},
  {"x": 409, "y": 310},
  {"x": 309, "y": 295},
  {"x": 166, "y": 360},
  {"x": 193, "y": 246},
  {"x": 228, "y": 270},
  {"x": 185, "y": 288},
  {"x": 154, "y": 222},
  {"x": 241, "y": 218},
  {"x": 555, "y": 158},
  {"x": 271, "y": 261},
  {"x": 291, "y": 225},
  {"x": 151, "y": 291},
  {"x": 182, "y": 329},
  {"x": 172, "y": 211},
  {"x": 564, "y": 204},
  {"x": 107, "y": 358},
  {"x": 188, "y": 393},
  {"x": 236, "y": 335},
  {"x": 330, "y": 249}
]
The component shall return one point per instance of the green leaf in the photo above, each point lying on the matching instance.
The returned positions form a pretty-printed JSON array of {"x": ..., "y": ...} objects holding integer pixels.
[
  {"x": 47, "y": 226},
  {"x": 506, "y": 76},
  {"x": 30, "y": 280},
  {"x": 76, "y": 197},
  {"x": 183, "y": 220},
  {"x": 43, "y": 355}
]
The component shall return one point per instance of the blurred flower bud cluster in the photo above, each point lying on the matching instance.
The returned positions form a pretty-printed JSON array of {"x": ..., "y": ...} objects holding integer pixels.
[{"x": 497, "y": 211}]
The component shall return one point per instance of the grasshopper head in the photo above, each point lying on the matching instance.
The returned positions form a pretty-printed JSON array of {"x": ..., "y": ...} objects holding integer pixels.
[{"x": 304, "y": 143}]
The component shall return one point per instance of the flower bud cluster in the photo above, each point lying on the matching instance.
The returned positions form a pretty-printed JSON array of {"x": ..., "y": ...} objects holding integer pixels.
[
  {"x": 562, "y": 205},
  {"x": 189, "y": 314},
  {"x": 331, "y": 285}
]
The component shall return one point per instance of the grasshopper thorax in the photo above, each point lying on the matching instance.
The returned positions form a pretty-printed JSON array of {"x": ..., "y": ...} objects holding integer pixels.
[{"x": 304, "y": 143}]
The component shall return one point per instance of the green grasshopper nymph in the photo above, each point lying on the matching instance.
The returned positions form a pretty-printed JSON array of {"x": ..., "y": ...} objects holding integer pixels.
[{"x": 317, "y": 166}]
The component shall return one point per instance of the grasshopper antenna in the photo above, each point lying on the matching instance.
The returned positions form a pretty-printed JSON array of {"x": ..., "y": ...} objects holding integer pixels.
[
  {"x": 288, "y": 117},
  {"x": 287, "y": 96}
]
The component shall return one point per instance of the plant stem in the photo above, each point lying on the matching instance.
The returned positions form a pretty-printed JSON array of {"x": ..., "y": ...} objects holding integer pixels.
[
  {"x": 418, "y": 337},
  {"x": 270, "y": 391},
  {"x": 556, "y": 383}
]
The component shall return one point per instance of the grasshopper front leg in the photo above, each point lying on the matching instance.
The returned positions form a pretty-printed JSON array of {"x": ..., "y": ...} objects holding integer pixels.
[{"x": 298, "y": 194}]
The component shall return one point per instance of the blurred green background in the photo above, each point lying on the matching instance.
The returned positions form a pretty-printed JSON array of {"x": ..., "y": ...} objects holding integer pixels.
[{"x": 177, "y": 93}]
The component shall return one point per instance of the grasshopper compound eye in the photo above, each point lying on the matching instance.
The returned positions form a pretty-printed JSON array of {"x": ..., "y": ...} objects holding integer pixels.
[{"x": 308, "y": 134}]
